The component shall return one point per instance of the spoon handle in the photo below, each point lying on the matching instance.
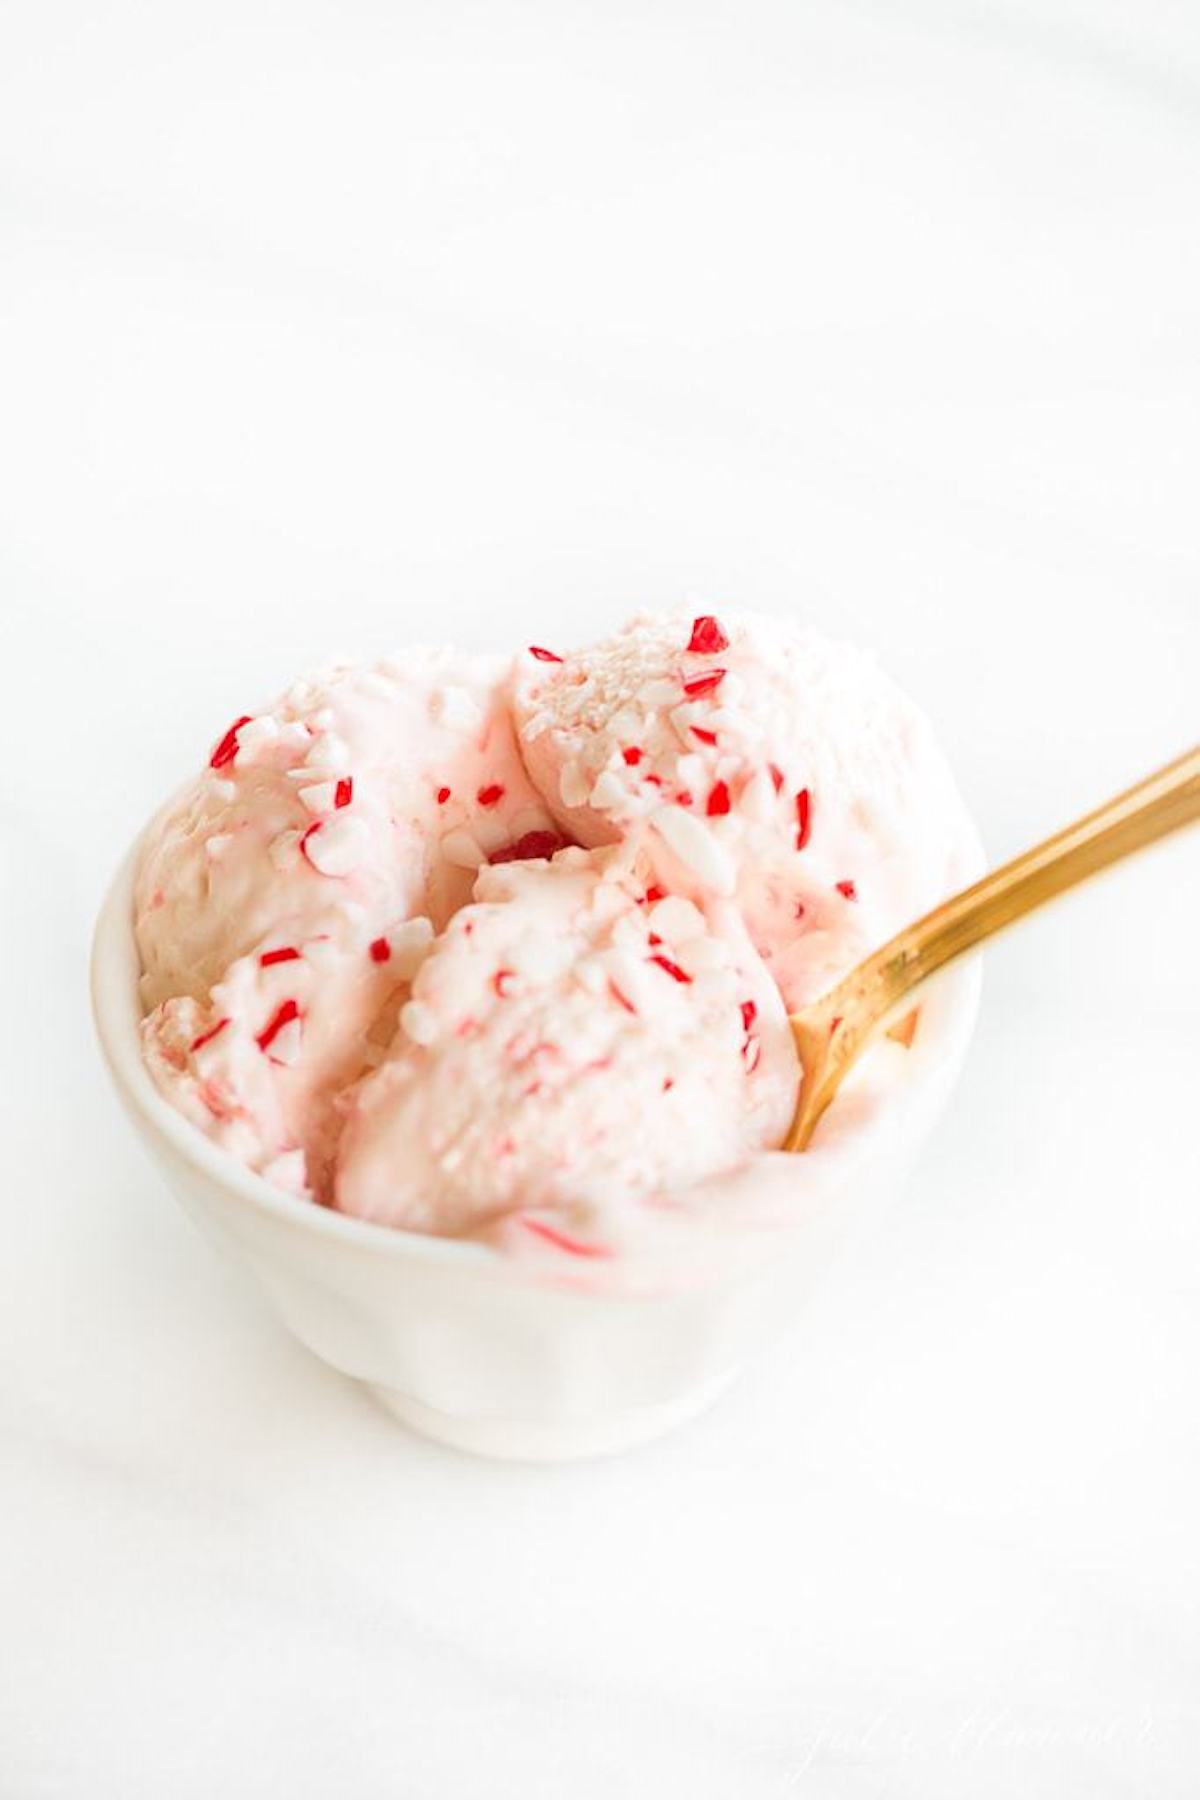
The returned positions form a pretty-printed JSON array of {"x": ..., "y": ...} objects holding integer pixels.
[{"x": 831, "y": 1033}]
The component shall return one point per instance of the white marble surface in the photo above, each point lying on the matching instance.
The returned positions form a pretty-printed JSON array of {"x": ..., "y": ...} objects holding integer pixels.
[{"x": 332, "y": 326}]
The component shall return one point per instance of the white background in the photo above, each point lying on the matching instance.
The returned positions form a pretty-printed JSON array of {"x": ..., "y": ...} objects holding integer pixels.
[{"x": 331, "y": 326}]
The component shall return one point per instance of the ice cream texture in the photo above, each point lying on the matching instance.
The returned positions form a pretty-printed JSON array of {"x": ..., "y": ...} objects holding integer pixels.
[
  {"x": 504, "y": 948},
  {"x": 570, "y": 1050},
  {"x": 754, "y": 760}
]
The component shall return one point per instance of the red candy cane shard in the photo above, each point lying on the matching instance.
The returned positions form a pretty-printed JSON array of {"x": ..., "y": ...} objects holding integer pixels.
[
  {"x": 708, "y": 636},
  {"x": 283, "y": 1016},
  {"x": 703, "y": 684},
  {"x": 226, "y": 750},
  {"x": 803, "y": 818},
  {"x": 206, "y": 1037},
  {"x": 672, "y": 968}
]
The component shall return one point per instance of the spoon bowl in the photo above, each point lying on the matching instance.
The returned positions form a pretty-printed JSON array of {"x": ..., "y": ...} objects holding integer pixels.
[{"x": 877, "y": 996}]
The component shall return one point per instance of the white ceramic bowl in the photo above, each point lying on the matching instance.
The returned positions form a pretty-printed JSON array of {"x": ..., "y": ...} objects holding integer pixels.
[{"x": 478, "y": 1350}]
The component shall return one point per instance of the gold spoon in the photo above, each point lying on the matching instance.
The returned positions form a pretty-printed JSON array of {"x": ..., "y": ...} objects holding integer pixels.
[{"x": 832, "y": 1033}]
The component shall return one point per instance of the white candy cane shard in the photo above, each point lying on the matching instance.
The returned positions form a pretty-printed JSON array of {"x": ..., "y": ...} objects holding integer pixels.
[
  {"x": 654, "y": 694},
  {"x": 455, "y": 707},
  {"x": 287, "y": 1171},
  {"x": 329, "y": 752},
  {"x": 676, "y": 919},
  {"x": 320, "y": 797},
  {"x": 630, "y": 976},
  {"x": 255, "y": 733},
  {"x": 627, "y": 725},
  {"x": 337, "y": 847},
  {"x": 608, "y": 792},
  {"x": 696, "y": 848}
]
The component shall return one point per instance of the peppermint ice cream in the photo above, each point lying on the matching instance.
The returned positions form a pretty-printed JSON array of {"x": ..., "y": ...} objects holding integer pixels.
[
  {"x": 505, "y": 948},
  {"x": 284, "y": 900},
  {"x": 571, "y": 1050},
  {"x": 754, "y": 760}
]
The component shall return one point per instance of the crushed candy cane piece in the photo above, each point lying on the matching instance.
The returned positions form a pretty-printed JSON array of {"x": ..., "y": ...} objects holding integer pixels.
[
  {"x": 334, "y": 847},
  {"x": 284, "y": 1015},
  {"x": 696, "y": 685},
  {"x": 708, "y": 636},
  {"x": 227, "y": 749},
  {"x": 672, "y": 968},
  {"x": 206, "y": 1037},
  {"x": 694, "y": 844},
  {"x": 803, "y": 818}
]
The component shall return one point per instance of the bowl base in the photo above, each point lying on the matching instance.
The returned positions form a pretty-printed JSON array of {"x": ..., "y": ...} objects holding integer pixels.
[{"x": 560, "y": 1440}]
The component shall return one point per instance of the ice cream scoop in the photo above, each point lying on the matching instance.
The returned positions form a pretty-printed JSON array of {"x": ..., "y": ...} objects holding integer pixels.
[
  {"x": 285, "y": 897},
  {"x": 755, "y": 760},
  {"x": 506, "y": 949},
  {"x": 362, "y": 795},
  {"x": 572, "y": 1051}
]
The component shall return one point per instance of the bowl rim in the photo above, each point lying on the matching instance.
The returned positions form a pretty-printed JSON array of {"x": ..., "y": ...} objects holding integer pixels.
[{"x": 115, "y": 970}]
